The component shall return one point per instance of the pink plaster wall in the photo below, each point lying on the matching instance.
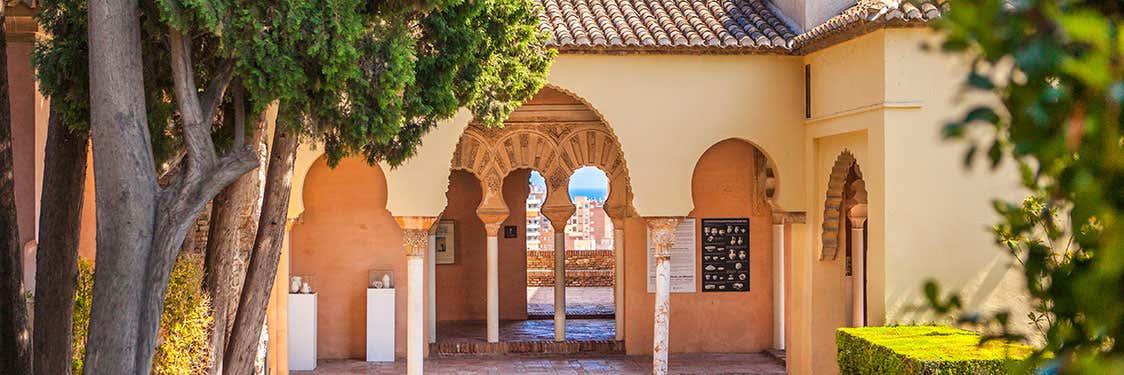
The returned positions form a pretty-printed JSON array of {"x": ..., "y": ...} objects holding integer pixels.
[
  {"x": 461, "y": 287},
  {"x": 21, "y": 97},
  {"x": 346, "y": 230},
  {"x": 715, "y": 321}
]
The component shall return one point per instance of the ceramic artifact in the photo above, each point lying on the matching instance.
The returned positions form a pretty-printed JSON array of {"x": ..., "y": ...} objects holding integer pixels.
[{"x": 295, "y": 284}]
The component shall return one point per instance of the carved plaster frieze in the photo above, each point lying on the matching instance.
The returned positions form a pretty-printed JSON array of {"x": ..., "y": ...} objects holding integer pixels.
[{"x": 545, "y": 147}]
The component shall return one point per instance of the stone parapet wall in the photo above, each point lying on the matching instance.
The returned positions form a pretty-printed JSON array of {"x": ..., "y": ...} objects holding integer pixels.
[{"x": 584, "y": 268}]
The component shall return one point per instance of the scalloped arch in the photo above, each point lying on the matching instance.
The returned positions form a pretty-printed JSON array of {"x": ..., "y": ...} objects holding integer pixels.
[
  {"x": 833, "y": 205},
  {"x": 554, "y": 137}
]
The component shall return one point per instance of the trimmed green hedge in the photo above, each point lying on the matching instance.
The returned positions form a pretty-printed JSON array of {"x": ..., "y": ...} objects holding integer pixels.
[{"x": 922, "y": 350}]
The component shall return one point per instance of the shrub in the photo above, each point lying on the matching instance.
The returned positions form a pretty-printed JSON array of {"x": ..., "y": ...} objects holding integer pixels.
[
  {"x": 182, "y": 347},
  {"x": 923, "y": 350}
]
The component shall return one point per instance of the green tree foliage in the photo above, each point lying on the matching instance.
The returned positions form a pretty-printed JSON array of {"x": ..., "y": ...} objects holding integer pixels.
[
  {"x": 371, "y": 78},
  {"x": 61, "y": 63},
  {"x": 1056, "y": 68},
  {"x": 184, "y": 324}
]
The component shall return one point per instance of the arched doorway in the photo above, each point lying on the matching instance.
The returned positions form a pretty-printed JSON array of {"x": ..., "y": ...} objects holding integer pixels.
[
  {"x": 844, "y": 226},
  {"x": 589, "y": 259},
  {"x": 556, "y": 134},
  {"x": 733, "y": 185}
]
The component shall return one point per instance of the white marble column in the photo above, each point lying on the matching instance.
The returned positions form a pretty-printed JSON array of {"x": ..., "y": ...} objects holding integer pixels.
[
  {"x": 618, "y": 279},
  {"x": 778, "y": 280},
  {"x": 857, "y": 216},
  {"x": 662, "y": 232},
  {"x": 560, "y": 284},
  {"x": 431, "y": 287},
  {"x": 493, "y": 265},
  {"x": 415, "y": 241}
]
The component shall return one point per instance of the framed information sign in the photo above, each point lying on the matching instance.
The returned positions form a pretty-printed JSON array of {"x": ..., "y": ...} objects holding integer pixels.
[
  {"x": 725, "y": 255},
  {"x": 682, "y": 259}
]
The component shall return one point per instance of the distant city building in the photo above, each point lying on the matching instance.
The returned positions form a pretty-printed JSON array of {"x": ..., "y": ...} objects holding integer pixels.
[{"x": 588, "y": 229}]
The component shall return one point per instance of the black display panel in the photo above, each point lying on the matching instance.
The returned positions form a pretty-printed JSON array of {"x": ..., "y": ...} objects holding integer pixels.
[{"x": 725, "y": 255}]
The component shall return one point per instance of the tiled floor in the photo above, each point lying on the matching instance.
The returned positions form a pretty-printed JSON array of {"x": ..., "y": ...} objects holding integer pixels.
[
  {"x": 526, "y": 330},
  {"x": 580, "y": 301},
  {"x": 568, "y": 364}
]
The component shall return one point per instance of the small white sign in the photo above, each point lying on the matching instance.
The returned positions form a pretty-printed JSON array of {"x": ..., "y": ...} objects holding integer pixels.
[{"x": 682, "y": 259}]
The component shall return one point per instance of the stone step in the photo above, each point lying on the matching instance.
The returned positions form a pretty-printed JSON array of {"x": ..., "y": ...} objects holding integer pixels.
[{"x": 446, "y": 349}]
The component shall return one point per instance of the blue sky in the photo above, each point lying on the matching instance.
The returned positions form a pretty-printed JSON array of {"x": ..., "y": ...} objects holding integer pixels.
[{"x": 585, "y": 181}]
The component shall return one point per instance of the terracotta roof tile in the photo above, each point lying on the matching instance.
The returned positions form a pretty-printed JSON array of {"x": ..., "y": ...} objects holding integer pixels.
[
  {"x": 867, "y": 15},
  {"x": 633, "y": 25}
]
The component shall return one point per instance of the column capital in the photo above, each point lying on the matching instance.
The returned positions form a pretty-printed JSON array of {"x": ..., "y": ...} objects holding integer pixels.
[
  {"x": 789, "y": 217},
  {"x": 662, "y": 230},
  {"x": 857, "y": 215},
  {"x": 415, "y": 233},
  {"x": 558, "y": 208},
  {"x": 415, "y": 242},
  {"x": 492, "y": 229}
]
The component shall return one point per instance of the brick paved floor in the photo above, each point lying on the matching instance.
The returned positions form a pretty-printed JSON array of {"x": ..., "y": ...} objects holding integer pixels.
[
  {"x": 726, "y": 363},
  {"x": 580, "y": 301},
  {"x": 526, "y": 330}
]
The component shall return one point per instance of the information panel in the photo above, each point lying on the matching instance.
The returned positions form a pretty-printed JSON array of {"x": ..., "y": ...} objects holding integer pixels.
[
  {"x": 725, "y": 255},
  {"x": 682, "y": 259}
]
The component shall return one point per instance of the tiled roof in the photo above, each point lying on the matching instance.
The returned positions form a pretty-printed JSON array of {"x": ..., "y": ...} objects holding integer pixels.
[
  {"x": 721, "y": 26},
  {"x": 868, "y": 15},
  {"x": 636, "y": 25}
]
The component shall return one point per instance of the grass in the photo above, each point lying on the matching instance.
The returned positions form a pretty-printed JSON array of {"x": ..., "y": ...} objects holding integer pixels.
[{"x": 937, "y": 343}]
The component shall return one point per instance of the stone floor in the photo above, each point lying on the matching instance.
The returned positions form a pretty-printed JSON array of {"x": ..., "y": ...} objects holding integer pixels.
[
  {"x": 580, "y": 301},
  {"x": 526, "y": 330},
  {"x": 729, "y": 363}
]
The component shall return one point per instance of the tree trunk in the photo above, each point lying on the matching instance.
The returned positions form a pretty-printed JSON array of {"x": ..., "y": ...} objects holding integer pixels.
[
  {"x": 235, "y": 207},
  {"x": 125, "y": 186},
  {"x": 140, "y": 227},
  {"x": 60, "y": 223},
  {"x": 15, "y": 336},
  {"x": 241, "y": 349}
]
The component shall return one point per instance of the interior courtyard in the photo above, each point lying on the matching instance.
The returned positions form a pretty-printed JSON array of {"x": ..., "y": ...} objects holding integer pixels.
[{"x": 772, "y": 171}]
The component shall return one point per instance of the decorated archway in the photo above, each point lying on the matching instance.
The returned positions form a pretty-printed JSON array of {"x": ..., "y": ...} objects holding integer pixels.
[
  {"x": 844, "y": 226},
  {"x": 555, "y": 133}
]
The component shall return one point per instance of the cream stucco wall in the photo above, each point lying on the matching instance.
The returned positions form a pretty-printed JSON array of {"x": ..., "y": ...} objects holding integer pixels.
[
  {"x": 882, "y": 98},
  {"x": 938, "y": 213},
  {"x": 665, "y": 117}
]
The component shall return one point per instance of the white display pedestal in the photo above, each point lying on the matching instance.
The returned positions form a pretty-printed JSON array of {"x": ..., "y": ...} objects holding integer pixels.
[
  {"x": 380, "y": 325},
  {"x": 302, "y": 331}
]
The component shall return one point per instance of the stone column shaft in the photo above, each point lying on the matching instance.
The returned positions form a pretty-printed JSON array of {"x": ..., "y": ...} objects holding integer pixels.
[
  {"x": 492, "y": 285},
  {"x": 618, "y": 279},
  {"x": 560, "y": 285},
  {"x": 662, "y": 232},
  {"x": 857, "y": 216},
  {"x": 431, "y": 287},
  {"x": 778, "y": 282},
  {"x": 415, "y": 243}
]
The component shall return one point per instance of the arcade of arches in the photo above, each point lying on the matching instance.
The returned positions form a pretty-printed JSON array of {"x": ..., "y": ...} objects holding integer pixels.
[{"x": 345, "y": 230}]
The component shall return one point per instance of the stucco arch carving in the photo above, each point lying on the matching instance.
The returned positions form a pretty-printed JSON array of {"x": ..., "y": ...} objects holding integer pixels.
[
  {"x": 555, "y": 133},
  {"x": 845, "y": 166}
]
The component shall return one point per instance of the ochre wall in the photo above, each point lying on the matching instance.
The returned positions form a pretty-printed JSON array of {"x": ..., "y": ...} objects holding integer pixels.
[
  {"x": 23, "y": 101},
  {"x": 462, "y": 287},
  {"x": 938, "y": 213},
  {"x": 666, "y": 110},
  {"x": 713, "y": 321},
  {"x": 87, "y": 246},
  {"x": 344, "y": 232},
  {"x": 21, "y": 97}
]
